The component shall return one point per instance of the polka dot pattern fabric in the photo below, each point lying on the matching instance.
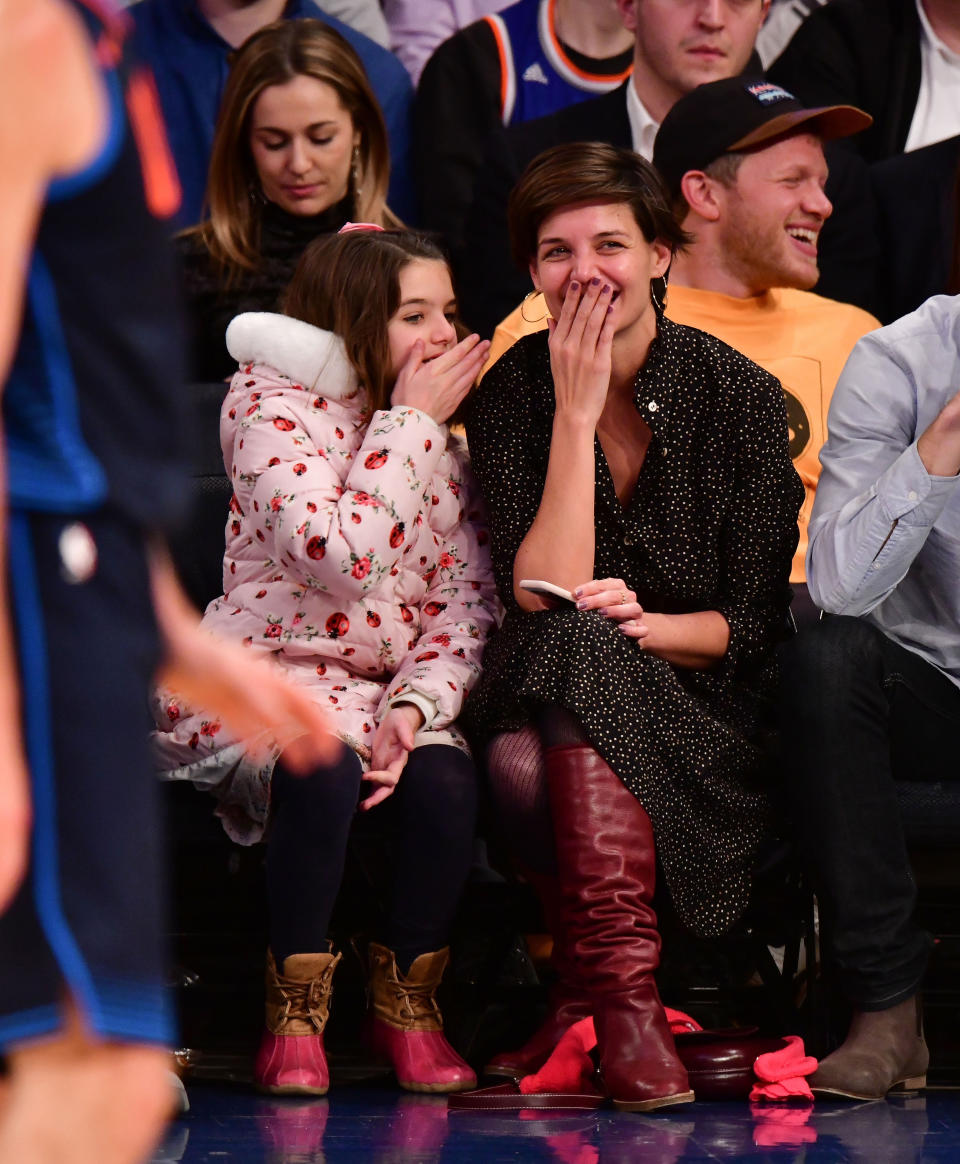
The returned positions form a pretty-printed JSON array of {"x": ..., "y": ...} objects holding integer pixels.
[{"x": 711, "y": 526}]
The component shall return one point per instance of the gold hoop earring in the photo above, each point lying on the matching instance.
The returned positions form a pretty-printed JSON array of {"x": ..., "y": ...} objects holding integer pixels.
[
  {"x": 525, "y": 317},
  {"x": 355, "y": 172}
]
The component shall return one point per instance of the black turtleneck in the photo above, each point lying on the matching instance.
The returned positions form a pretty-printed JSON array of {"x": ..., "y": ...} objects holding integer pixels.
[{"x": 211, "y": 304}]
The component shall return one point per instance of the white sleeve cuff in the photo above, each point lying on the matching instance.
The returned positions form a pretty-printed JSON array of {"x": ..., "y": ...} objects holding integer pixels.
[{"x": 426, "y": 705}]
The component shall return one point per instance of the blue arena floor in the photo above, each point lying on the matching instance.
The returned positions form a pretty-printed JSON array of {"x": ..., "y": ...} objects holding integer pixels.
[{"x": 230, "y": 1125}]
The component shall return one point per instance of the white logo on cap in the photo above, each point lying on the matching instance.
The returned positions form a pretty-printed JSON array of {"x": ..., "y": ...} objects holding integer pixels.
[{"x": 767, "y": 93}]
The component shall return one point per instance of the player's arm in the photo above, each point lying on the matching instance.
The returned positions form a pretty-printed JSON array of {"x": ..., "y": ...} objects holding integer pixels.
[{"x": 51, "y": 118}]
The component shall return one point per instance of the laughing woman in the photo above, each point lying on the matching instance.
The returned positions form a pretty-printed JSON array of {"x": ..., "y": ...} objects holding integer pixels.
[{"x": 644, "y": 466}]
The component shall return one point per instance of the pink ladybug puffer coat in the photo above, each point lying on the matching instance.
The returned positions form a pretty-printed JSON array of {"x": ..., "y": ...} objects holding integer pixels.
[{"x": 356, "y": 556}]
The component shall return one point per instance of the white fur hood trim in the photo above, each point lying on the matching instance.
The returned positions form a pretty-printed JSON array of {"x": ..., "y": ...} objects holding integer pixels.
[{"x": 308, "y": 355}]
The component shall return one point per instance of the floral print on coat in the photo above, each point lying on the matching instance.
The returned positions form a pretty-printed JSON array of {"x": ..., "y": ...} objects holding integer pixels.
[{"x": 356, "y": 557}]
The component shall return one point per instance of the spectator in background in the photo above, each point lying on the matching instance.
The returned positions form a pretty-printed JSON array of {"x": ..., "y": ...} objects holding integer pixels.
[
  {"x": 783, "y": 20},
  {"x": 897, "y": 59},
  {"x": 187, "y": 43},
  {"x": 531, "y": 59},
  {"x": 418, "y": 26},
  {"x": 300, "y": 149},
  {"x": 745, "y": 163}
]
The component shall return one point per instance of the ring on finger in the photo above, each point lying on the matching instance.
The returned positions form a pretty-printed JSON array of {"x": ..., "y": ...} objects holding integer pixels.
[{"x": 623, "y": 598}]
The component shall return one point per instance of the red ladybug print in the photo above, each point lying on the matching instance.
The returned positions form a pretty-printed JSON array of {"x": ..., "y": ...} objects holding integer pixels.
[
  {"x": 173, "y": 712},
  {"x": 232, "y": 414},
  {"x": 321, "y": 669},
  {"x": 254, "y": 396},
  {"x": 316, "y": 548},
  {"x": 427, "y": 445},
  {"x": 427, "y": 656},
  {"x": 396, "y": 535},
  {"x": 273, "y": 461},
  {"x": 235, "y": 527},
  {"x": 337, "y": 625},
  {"x": 356, "y": 518},
  {"x": 434, "y": 500},
  {"x": 333, "y": 699},
  {"x": 250, "y": 384},
  {"x": 373, "y": 619},
  {"x": 194, "y": 739},
  {"x": 339, "y": 432},
  {"x": 406, "y": 613},
  {"x": 260, "y": 537},
  {"x": 209, "y": 729},
  {"x": 366, "y": 728},
  {"x": 283, "y": 424},
  {"x": 376, "y": 460},
  {"x": 361, "y": 567},
  {"x": 320, "y": 403},
  {"x": 261, "y": 594},
  {"x": 251, "y": 410},
  {"x": 433, "y": 608},
  {"x": 454, "y": 487},
  {"x": 349, "y": 651},
  {"x": 311, "y": 507},
  {"x": 300, "y": 468}
]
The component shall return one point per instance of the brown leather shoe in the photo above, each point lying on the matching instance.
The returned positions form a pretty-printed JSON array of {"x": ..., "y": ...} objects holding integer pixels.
[
  {"x": 406, "y": 1026},
  {"x": 884, "y": 1051},
  {"x": 607, "y": 869}
]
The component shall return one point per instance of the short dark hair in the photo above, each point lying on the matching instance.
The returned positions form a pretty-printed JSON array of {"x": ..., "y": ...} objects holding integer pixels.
[
  {"x": 350, "y": 284},
  {"x": 723, "y": 169},
  {"x": 590, "y": 171}
]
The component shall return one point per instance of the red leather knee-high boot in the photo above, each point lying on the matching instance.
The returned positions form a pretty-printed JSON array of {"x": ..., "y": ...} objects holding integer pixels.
[
  {"x": 607, "y": 867},
  {"x": 567, "y": 1002}
]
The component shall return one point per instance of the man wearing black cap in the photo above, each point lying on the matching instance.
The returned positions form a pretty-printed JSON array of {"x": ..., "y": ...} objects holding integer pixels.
[{"x": 744, "y": 164}]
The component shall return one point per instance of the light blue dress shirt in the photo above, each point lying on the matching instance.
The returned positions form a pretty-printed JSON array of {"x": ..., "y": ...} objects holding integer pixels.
[{"x": 884, "y": 533}]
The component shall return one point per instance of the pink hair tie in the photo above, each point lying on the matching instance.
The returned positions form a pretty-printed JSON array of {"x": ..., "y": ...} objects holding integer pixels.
[{"x": 349, "y": 226}]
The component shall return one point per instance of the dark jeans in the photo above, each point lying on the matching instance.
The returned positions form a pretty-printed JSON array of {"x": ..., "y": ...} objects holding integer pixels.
[
  {"x": 431, "y": 815},
  {"x": 858, "y": 713}
]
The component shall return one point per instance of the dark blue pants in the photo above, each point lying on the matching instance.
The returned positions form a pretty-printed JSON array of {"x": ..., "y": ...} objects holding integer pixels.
[
  {"x": 428, "y": 824},
  {"x": 860, "y": 712}
]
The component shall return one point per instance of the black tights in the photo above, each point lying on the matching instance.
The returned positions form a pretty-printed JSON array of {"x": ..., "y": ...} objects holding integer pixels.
[
  {"x": 519, "y": 784},
  {"x": 431, "y": 814}
]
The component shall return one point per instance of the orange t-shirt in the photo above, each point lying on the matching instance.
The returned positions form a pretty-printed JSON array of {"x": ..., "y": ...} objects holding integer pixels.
[{"x": 801, "y": 338}]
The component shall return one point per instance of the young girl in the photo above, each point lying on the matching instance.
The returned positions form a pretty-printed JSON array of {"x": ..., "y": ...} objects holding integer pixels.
[{"x": 356, "y": 558}]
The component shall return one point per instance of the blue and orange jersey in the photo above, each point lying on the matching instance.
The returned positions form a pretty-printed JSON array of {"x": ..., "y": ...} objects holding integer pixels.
[
  {"x": 91, "y": 411},
  {"x": 537, "y": 74}
]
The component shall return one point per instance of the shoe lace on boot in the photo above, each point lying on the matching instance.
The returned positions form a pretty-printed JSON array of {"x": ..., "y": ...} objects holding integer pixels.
[
  {"x": 416, "y": 1003},
  {"x": 307, "y": 1001}
]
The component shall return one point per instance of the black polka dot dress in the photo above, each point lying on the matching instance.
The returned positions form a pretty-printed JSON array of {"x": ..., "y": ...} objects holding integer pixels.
[{"x": 712, "y": 525}]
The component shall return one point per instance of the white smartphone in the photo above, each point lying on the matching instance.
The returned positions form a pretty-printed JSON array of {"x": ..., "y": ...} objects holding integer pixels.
[{"x": 547, "y": 590}]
